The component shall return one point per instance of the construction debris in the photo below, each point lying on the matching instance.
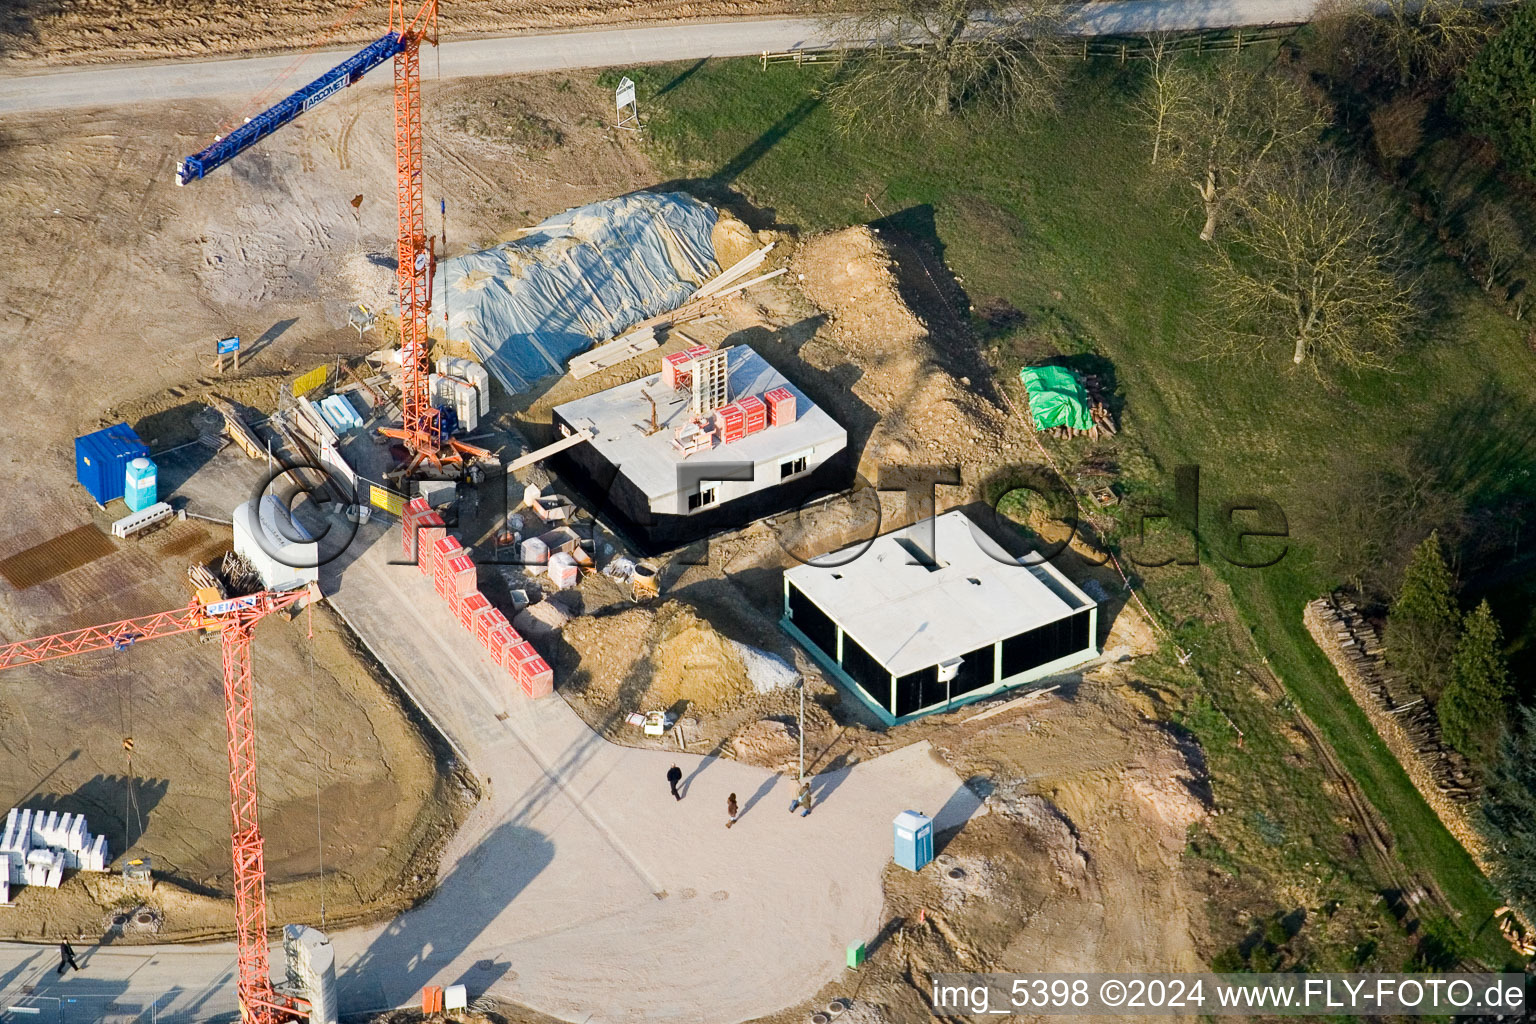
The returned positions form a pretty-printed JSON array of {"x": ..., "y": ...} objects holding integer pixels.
[{"x": 239, "y": 574}]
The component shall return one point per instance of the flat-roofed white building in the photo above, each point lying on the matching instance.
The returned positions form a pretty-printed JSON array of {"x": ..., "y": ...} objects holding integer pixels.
[{"x": 912, "y": 631}]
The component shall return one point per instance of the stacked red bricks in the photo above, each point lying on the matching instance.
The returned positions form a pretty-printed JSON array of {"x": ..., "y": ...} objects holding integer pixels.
[
  {"x": 425, "y": 541},
  {"x": 755, "y": 411},
  {"x": 733, "y": 423},
  {"x": 781, "y": 407}
]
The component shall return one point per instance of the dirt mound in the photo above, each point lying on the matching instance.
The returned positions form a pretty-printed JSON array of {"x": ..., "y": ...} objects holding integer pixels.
[
  {"x": 695, "y": 663},
  {"x": 771, "y": 742},
  {"x": 732, "y": 240},
  {"x": 1169, "y": 798},
  {"x": 850, "y": 274},
  {"x": 656, "y": 657},
  {"x": 926, "y": 413},
  {"x": 1049, "y": 830}
]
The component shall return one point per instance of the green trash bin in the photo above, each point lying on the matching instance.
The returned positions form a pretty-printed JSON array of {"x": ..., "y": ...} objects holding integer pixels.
[{"x": 855, "y": 955}]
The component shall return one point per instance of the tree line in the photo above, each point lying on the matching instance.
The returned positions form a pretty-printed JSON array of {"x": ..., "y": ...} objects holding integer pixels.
[
  {"x": 1456, "y": 660},
  {"x": 1311, "y": 254}
]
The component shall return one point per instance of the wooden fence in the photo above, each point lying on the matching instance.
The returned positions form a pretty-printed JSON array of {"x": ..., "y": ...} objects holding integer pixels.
[{"x": 1125, "y": 48}]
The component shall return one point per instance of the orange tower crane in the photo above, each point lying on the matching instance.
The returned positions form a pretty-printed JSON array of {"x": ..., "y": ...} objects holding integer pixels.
[
  {"x": 421, "y": 424},
  {"x": 233, "y": 620}
]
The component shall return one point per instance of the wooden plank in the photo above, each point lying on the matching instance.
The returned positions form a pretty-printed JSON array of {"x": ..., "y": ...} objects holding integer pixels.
[
  {"x": 613, "y": 353},
  {"x": 1009, "y": 705},
  {"x": 739, "y": 269},
  {"x": 747, "y": 284},
  {"x": 539, "y": 454},
  {"x": 237, "y": 430}
]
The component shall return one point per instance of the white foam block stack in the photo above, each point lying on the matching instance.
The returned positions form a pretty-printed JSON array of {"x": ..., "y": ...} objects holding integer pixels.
[
  {"x": 474, "y": 374},
  {"x": 16, "y": 844},
  {"x": 459, "y": 395},
  {"x": 311, "y": 964},
  {"x": 40, "y": 846}
]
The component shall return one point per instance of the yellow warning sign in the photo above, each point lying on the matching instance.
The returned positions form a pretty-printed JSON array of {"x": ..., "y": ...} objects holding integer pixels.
[
  {"x": 386, "y": 499},
  {"x": 311, "y": 380}
]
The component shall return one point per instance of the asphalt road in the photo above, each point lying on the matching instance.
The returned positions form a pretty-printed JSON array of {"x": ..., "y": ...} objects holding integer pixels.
[{"x": 617, "y": 46}]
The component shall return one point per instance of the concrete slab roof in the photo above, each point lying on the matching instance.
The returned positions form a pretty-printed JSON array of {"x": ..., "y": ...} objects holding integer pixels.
[
  {"x": 909, "y": 616},
  {"x": 621, "y": 416}
]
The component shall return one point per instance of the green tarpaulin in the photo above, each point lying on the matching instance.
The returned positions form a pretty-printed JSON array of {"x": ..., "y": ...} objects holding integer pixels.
[{"x": 1056, "y": 398}]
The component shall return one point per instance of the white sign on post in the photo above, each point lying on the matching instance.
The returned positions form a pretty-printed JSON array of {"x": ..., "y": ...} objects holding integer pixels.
[{"x": 625, "y": 108}]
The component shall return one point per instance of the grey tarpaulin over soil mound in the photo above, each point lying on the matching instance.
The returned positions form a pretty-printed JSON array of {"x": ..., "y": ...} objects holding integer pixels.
[{"x": 579, "y": 278}]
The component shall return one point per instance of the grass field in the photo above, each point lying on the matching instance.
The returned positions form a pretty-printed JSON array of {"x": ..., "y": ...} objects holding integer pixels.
[{"x": 1065, "y": 241}]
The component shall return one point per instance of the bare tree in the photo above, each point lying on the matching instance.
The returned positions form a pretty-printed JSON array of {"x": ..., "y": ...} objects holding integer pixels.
[
  {"x": 1318, "y": 258},
  {"x": 1230, "y": 125},
  {"x": 1368, "y": 509},
  {"x": 1400, "y": 42},
  {"x": 1496, "y": 241},
  {"x": 1427, "y": 38},
  {"x": 1168, "y": 84},
  {"x": 937, "y": 57}
]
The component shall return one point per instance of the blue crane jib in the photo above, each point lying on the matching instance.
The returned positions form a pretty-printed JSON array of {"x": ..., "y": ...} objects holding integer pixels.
[{"x": 279, "y": 114}]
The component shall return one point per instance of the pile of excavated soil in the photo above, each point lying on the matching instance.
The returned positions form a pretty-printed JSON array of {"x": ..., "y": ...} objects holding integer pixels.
[
  {"x": 733, "y": 240},
  {"x": 926, "y": 414},
  {"x": 694, "y": 663},
  {"x": 769, "y": 742},
  {"x": 657, "y": 658},
  {"x": 1048, "y": 829}
]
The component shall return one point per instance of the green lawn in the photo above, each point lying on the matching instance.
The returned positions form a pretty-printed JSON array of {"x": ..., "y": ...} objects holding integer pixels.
[{"x": 1067, "y": 226}]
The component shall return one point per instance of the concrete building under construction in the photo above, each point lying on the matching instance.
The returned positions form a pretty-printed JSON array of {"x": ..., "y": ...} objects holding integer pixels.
[{"x": 714, "y": 439}]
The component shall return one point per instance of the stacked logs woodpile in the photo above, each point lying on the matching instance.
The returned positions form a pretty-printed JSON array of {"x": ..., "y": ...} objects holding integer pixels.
[
  {"x": 1097, "y": 407},
  {"x": 1408, "y": 727},
  {"x": 1411, "y": 731},
  {"x": 1360, "y": 644}
]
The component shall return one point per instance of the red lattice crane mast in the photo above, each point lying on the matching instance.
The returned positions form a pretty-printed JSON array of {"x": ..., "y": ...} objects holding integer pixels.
[
  {"x": 233, "y": 620},
  {"x": 421, "y": 426},
  {"x": 421, "y": 422}
]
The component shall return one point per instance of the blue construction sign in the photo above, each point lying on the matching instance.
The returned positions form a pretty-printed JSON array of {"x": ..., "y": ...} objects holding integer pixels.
[{"x": 228, "y": 345}]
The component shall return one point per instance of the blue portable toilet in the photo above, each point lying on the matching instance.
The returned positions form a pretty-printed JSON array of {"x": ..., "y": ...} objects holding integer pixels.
[
  {"x": 141, "y": 484},
  {"x": 914, "y": 840},
  {"x": 101, "y": 461}
]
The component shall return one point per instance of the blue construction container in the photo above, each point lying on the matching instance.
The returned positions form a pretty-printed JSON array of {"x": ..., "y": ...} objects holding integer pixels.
[
  {"x": 101, "y": 461},
  {"x": 141, "y": 484},
  {"x": 914, "y": 840}
]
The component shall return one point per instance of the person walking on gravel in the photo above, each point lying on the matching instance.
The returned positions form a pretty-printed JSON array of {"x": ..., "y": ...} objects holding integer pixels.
[
  {"x": 802, "y": 801},
  {"x": 675, "y": 776},
  {"x": 731, "y": 809}
]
